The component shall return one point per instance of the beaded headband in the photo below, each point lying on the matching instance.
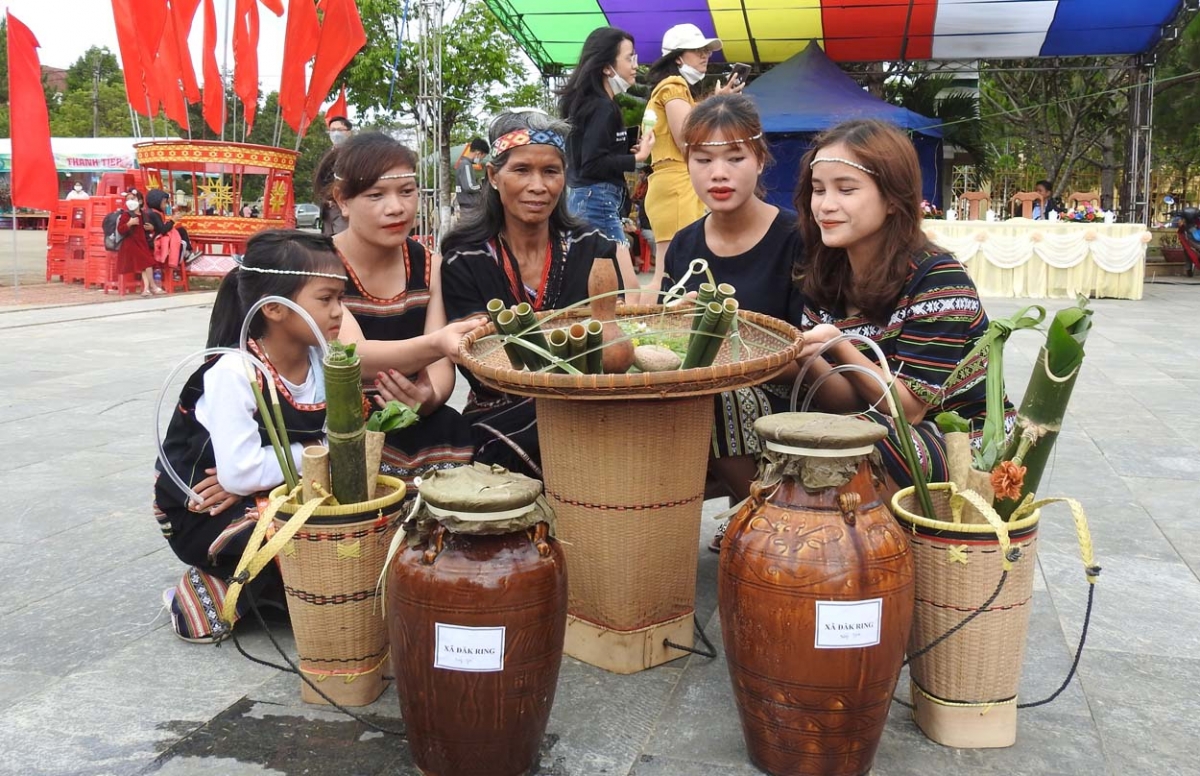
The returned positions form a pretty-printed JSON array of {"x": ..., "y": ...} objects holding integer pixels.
[
  {"x": 384, "y": 177},
  {"x": 724, "y": 142},
  {"x": 855, "y": 165},
  {"x": 266, "y": 271},
  {"x": 523, "y": 137}
]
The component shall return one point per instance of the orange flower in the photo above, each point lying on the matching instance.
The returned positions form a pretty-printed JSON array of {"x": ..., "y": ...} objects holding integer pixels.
[{"x": 1007, "y": 480}]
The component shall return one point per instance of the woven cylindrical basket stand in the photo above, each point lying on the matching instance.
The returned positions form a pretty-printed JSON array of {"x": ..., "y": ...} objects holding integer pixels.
[
  {"x": 624, "y": 459},
  {"x": 330, "y": 572},
  {"x": 964, "y": 691}
]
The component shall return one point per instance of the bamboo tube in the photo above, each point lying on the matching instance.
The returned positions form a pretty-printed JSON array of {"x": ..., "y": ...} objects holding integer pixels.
[
  {"x": 706, "y": 293},
  {"x": 724, "y": 291},
  {"x": 729, "y": 308},
  {"x": 559, "y": 345},
  {"x": 347, "y": 429},
  {"x": 532, "y": 334},
  {"x": 314, "y": 464},
  {"x": 494, "y": 308},
  {"x": 698, "y": 343},
  {"x": 595, "y": 347},
  {"x": 577, "y": 344}
]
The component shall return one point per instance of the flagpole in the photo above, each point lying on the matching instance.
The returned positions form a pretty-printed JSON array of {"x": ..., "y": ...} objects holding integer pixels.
[
  {"x": 16, "y": 272},
  {"x": 224, "y": 72}
]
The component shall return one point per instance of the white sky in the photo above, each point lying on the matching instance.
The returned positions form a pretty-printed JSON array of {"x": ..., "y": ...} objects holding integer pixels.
[{"x": 67, "y": 28}]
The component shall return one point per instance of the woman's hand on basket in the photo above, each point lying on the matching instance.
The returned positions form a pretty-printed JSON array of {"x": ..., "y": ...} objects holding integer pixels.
[
  {"x": 816, "y": 337},
  {"x": 450, "y": 335},
  {"x": 213, "y": 498},
  {"x": 394, "y": 386}
]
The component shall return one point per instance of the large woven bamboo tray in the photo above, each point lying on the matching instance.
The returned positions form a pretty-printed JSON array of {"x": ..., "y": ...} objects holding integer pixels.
[{"x": 767, "y": 346}]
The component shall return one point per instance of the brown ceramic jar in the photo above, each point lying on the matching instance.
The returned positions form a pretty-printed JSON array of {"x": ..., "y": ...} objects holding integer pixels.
[
  {"x": 816, "y": 597},
  {"x": 476, "y": 612}
]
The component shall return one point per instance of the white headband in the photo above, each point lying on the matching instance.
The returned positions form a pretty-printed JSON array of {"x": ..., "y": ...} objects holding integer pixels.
[
  {"x": 855, "y": 165},
  {"x": 265, "y": 271},
  {"x": 384, "y": 177},
  {"x": 724, "y": 142}
]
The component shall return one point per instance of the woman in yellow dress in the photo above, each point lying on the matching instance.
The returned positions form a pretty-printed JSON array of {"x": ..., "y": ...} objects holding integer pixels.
[{"x": 671, "y": 202}]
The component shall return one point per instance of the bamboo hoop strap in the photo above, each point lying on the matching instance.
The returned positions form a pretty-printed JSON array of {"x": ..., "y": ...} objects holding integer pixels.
[
  {"x": 345, "y": 675},
  {"x": 255, "y": 557},
  {"x": 400, "y": 538},
  {"x": 1083, "y": 533},
  {"x": 984, "y": 507}
]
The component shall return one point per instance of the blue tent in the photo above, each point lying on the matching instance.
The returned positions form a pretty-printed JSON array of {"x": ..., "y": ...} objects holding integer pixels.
[{"x": 809, "y": 93}]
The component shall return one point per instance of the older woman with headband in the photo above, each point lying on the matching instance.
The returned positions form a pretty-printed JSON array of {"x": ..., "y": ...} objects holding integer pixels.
[{"x": 521, "y": 246}]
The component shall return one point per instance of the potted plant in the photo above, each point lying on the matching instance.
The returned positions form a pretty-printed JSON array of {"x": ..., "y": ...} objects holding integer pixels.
[
  {"x": 332, "y": 545},
  {"x": 974, "y": 541},
  {"x": 1168, "y": 245}
]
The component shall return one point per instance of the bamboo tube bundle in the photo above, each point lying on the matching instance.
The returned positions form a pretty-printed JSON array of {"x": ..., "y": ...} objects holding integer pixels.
[
  {"x": 532, "y": 333},
  {"x": 494, "y": 309},
  {"x": 702, "y": 335},
  {"x": 347, "y": 429},
  {"x": 705, "y": 294},
  {"x": 729, "y": 308}
]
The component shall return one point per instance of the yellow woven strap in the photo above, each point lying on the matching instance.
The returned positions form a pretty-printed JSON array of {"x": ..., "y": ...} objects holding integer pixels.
[
  {"x": 1082, "y": 533},
  {"x": 255, "y": 557},
  {"x": 985, "y": 508}
]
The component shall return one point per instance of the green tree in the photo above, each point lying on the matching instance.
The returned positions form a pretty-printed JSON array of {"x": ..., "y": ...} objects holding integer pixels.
[
  {"x": 482, "y": 72},
  {"x": 1062, "y": 121},
  {"x": 935, "y": 96},
  {"x": 4, "y": 78},
  {"x": 1177, "y": 114}
]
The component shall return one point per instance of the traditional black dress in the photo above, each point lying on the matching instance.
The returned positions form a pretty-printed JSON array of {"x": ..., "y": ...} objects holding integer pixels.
[
  {"x": 762, "y": 277},
  {"x": 441, "y": 439},
  {"x": 505, "y": 426},
  {"x": 212, "y": 545}
]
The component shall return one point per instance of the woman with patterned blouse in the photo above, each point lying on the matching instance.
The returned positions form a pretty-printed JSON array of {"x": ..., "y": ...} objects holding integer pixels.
[{"x": 870, "y": 270}]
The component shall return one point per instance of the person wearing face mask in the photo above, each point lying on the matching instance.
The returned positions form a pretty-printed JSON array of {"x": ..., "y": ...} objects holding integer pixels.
[
  {"x": 77, "y": 192},
  {"x": 597, "y": 148},
  {"x": 671, "y": 202},
  {"x": 339, "y": 128},
  {"x": 136, "y": 252}
]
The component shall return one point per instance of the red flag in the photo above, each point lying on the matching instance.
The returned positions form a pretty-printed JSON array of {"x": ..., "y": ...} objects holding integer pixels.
[
  {"x": 214, "y": 87},
  {"x": 133, "y": 68},
  {"x": 342, "y": 35},
  {"x": 150, "y": 23},
  {"x": 34, "y": 176},
  {"x": 299, "y": 46},
  {"x": 170, "y": 67},
  {"x": 274, "y": 6},
  {"x": 245, "y": 56},
  {"x": 338, "y": 108},
  {"x": 183, "y": 13}
]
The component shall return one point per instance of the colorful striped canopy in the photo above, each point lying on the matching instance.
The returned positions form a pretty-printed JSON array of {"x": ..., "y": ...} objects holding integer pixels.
[{"x": 769, "y": 31}]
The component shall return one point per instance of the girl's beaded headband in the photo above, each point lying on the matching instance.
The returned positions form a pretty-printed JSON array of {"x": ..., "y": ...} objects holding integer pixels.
[
  {"x": 724, "y": 142},
  {"x": 855, "y": 165},
  {"x": 384, "y": 177},
  {"x": 266, "y": 271}
]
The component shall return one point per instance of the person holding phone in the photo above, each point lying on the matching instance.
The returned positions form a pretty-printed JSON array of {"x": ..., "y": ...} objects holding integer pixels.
[{"x": 671, "y": 202}]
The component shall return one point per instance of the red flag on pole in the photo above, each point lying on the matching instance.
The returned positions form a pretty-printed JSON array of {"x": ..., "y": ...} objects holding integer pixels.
[
  {"x": 170, "y": 65},
  {"x": 150, "y": 23},
  {"x": 245, "y": 56},
  {"x": 338, "y": 108},
  {"x": 342, "y": 35},
  {"x": 34, "y": 176},
  {"x": 299, "y": 46},
  {"x": 214, "y": 87},
  {"x": 183, "y": 13},
  {"x": 133, "y": 69}
]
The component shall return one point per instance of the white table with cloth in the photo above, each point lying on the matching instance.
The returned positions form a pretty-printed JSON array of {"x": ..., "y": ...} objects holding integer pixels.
[{"x": 1047, "y": 260}]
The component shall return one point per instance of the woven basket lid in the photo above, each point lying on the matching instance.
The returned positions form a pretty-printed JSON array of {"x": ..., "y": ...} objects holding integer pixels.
[
  {"x": 819, "y": 430},
  {"x": 479, "y": 488}
]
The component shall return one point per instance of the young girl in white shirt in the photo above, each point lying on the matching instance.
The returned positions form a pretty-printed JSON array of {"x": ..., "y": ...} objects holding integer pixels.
[{"x": 216, "y": 441}]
